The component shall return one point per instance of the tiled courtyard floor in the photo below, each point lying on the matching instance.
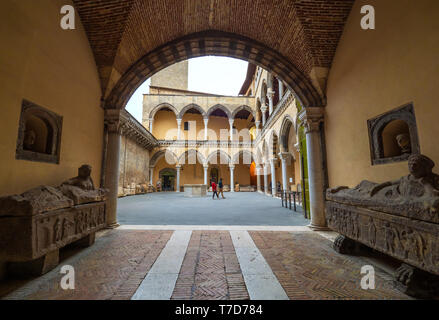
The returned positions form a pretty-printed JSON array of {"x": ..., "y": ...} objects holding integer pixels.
[{"x": 236, "y": 264}]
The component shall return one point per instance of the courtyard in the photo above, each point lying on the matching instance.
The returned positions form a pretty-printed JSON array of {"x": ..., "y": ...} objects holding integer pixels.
[
  {"x": 170, "y": 247},
  {"x": 238, "y": 209}
]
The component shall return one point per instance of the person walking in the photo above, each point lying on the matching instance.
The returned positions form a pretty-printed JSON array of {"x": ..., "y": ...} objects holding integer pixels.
[
  {"x": 214, "y": 190},
  {"x": 220, "y": 187}
]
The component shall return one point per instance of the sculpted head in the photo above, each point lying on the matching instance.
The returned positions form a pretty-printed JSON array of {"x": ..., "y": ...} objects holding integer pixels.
[
  {"x": 84, "y": 171},
  {"x": 420, "y": 165}
]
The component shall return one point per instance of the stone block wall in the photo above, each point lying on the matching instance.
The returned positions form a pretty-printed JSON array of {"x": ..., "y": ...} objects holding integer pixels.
[{"x": 133, "y": 168}]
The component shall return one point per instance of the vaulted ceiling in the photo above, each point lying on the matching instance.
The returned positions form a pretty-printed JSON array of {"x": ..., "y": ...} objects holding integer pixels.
[{"x": 121, "y": 32}]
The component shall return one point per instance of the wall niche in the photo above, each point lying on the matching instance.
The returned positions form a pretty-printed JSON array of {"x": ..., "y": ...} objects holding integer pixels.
[
  {"x": 393, "y": 136},
  {"x": 39, "y": 134}
]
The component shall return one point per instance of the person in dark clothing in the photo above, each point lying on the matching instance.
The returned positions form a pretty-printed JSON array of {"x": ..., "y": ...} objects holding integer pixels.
[
  {"x": 214, "y": 190},
  {"x": 220, "y": 187}
]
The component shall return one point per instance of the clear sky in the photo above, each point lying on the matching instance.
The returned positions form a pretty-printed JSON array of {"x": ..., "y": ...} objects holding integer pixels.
[{"x": 218, "y": 75}]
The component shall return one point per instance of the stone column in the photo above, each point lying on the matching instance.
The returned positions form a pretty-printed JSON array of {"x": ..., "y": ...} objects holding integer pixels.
[
  {"x": 283, "y": 157},
  {"x": 258, "y": 129},
  {"x": 270, "y": 95},
  {"x": 258, "y": 177},
  {"x": 265, "y": 178},
  {"x": 206, "y": 167},
  {"x": 311, "y": 118},
  {"x": 151, "y": 174},
  {"x": 231, "y": 121},
  {"x": 273, "y": 176},
  {"x": 151, "y": 122},
  {"x": 232, "y": 181},
  {"x": 206, "y": 121},
  {"x": 178, "y": 177},
  {"x": 178, "y": 129},
  {"x": 114, "y": 129},
  {"x": 263, "y": 111},
  {"x": 281, "y": 88}
]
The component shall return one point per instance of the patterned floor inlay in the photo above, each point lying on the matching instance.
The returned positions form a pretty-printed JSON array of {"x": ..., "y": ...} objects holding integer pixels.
[
  {"x": 308, "y": 268},
  {"x": 210, "y": 269},
  {"x": 112, "y": 268}
]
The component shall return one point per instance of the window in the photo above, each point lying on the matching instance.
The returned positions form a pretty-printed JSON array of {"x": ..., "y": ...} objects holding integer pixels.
[
  {"x": 393, "y": 136},
  {"x": 39, "y": 134},
  {"x": 186, "y": 126}
]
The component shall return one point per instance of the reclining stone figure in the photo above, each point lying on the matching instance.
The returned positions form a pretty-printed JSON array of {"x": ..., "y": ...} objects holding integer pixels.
[
  {"x": 415, "y": 195},
  {"x": 81, "y": 189}
]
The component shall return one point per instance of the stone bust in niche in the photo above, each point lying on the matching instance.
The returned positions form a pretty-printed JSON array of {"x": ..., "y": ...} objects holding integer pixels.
[
  {"x": 29, "y": 140},
  {"x": 404, "y": 143},
  {"x": 81, "y": 188}
]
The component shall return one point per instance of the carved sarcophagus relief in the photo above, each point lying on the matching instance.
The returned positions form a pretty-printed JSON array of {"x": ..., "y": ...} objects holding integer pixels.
[
  {"x": 37, "y": 223},
  {"x": 399, "y": 218}
]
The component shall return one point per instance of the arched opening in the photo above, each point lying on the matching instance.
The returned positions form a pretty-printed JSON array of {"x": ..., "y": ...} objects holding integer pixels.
[
  {"x": 245, "y": 171},
  {"x": 192, "y": 172},
  {"x": 244, "y": 122},
  {"x": 218, "y": 162},
  {"x": 192, "y": 125},
  {"x": 167, "y": 178},
  {"x": 218, "y": 125},
  {"x": 207, "y": 43},
  {"x": 164, "y": 117}
]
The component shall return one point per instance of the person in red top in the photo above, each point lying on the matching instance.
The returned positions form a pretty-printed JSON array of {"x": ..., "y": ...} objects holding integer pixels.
[{"x": 214, "y": 190}]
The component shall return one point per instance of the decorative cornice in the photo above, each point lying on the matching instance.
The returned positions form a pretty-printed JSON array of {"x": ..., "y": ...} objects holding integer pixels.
[{"x": 123, "y": 123}]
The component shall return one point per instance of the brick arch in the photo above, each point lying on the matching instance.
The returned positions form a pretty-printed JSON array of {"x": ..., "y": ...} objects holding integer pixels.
[
  {"x": 157, "y": 108},
  {"x": 192, "y": 106},
  {"x": 221, "y": 107},
  {"x": 213, "y": 43},
  {"x": 244, "y": 107}
]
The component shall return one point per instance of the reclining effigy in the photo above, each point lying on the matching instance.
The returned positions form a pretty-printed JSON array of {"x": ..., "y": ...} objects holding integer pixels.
[
  {"x": 399, "y": 218},
  {"x": 37, "y": 223}
]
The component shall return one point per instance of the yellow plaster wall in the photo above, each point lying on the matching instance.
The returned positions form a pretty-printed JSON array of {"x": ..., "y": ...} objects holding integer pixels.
[
  {"x": 165, "y": 125},
  {"x": 53, "y": 68},
  {"x": 375, "y": 71}
]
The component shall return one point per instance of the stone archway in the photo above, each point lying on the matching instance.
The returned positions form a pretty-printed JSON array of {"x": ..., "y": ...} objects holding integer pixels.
[{"x": 213, "y": 43}]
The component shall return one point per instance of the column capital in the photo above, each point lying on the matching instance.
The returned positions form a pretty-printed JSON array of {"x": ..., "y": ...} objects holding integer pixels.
[
  {"x": 206, "y": 120},
  {"x": 113, "y": 120},
  {"x": 311, "y": 118},
  {"x": 283, "y": 156},
  {"x": 206, "y": 166},
  {"x": 231, "y": 121},
  {"x": 178, "y": 167},
  {"x": 151, "y": 167},
  {"x": 231, "y": 166},
  {"x": 297, "y": 146},
  {"x": 273, "y": 159},
  {"x": 179, "y": 121},
  {"x": 270, "y": 93},
  {"x": 264, "y": 108}
]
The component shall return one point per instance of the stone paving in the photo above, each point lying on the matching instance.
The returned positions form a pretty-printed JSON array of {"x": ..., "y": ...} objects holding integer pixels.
[
  {"x": 238, "y": 209},
  {"x": 303, "y": 262}
]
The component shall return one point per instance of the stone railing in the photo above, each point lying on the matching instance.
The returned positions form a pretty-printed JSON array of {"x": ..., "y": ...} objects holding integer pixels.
[{"x": 204, "y": 143}]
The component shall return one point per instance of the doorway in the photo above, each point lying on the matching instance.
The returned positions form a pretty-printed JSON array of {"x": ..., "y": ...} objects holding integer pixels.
[{"x": 167, "y": 177}]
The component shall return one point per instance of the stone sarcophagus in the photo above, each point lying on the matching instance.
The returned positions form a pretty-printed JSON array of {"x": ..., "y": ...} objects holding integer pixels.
[
  {"x": 399, "y": 218},
  {"x": 37, "y": 223}
]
